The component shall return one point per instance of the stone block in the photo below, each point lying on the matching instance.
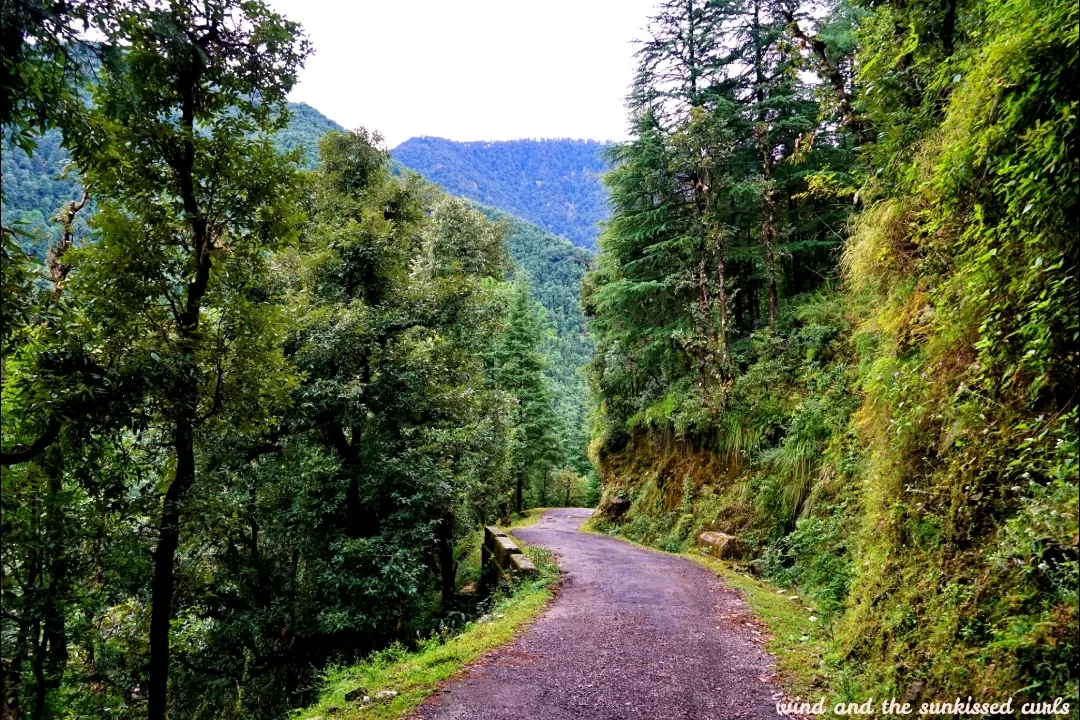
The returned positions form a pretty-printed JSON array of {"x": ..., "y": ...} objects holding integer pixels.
[
  {"x": 722, "y": 546},
  {"x": 521, "y": 565}
]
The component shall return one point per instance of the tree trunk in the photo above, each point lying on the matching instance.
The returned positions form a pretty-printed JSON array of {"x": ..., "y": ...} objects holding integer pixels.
[
  {"x": 447, "y": 566},
  {"x": 768, "y": 232},
  {"x": 37, "y": 665},
  {"x": 722, "y": 298},
  {"x": 165, "y": 558},
  {"x": 186, "y": 397},
  {"x": 768, "y": 221},
  {"x": 761, "y": 133},
  {"x": 703, "y": 312}
]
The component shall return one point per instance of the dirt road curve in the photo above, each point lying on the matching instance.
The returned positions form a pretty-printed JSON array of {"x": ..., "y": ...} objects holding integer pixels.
[{"x": 633, "y": 634}]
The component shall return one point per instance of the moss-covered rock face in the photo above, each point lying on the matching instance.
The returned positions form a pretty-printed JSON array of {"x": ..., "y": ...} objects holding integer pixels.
[
  {"x": 966, "y": 274},
  {"x": 904, "y": 450}
]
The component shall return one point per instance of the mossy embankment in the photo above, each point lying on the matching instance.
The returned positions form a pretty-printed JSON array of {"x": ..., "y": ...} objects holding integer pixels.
[{"x": 912, "y": 559}]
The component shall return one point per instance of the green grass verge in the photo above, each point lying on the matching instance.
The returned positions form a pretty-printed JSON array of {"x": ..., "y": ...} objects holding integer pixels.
[
  {"x": 526, "y": 518},
  {"x": 416, "y": 674},
  {"x": 798, "y": 643}
]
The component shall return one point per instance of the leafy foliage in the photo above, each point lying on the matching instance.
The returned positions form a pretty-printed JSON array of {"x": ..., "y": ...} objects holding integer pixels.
[
  {"x": 553, "y": 270},
  {"x": 38, "y": 185},
  {"x": 246, "y": 424},
  {"x": 903, "y": 447}
]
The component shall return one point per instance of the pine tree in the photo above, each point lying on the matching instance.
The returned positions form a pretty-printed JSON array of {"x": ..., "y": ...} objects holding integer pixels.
[
  {"x": 519, "y": 368},
  {"x": 711, "y": 220}
]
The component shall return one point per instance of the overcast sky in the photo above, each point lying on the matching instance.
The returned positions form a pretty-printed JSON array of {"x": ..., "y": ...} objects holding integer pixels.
[{"x": 471, "y": 69}]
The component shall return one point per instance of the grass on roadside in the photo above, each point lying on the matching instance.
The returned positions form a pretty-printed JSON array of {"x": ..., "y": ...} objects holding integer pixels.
[
  {"x": 416, "y": 674},
  {"x": 797, "y": 641}
]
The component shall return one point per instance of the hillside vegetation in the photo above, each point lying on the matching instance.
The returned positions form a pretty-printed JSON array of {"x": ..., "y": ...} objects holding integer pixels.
[
  {"x": 839, "y": 320},
  {"x": 37, "y": 186},
  {"x": 553, "y": 270},
  {"x": 554, "y": 184},
  {"x": 249, "y": 420}
]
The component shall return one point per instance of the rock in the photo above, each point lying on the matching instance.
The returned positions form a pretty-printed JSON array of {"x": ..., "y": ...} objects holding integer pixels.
[
  {"x": 386, "y": 695},
  {"x": 483, "y": 619},
  {"x": 722, "y": 546},
  {"x": 355, "y": 694},
  {"x": 613, "y": 508},
  {"x": 913, "y": 692}
]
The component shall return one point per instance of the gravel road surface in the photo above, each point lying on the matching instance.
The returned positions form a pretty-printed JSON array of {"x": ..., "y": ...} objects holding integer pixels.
[{"x": 633, "y": 634}]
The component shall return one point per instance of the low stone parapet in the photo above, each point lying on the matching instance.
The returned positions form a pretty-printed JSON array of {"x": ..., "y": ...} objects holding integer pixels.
[{"x": 501, "y": 557}]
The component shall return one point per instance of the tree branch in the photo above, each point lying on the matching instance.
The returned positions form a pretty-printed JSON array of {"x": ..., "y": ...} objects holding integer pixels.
[
  {"x": 831, "y": 72},
  {"x": 20, "y": 455}
]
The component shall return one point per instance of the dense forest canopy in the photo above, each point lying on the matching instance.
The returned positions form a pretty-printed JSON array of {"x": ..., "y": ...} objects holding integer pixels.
[
  {"x": 37, "y": 185},
  {"x": 554, "y": 184},
  {"x": 258, "y": 382},
  {"x": 836, "y": 313}
]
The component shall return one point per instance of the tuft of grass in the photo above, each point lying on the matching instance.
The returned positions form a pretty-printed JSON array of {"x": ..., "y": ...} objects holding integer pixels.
[
  {"x": 525, "y": 518},
  {"x": 416, "y": 674}
]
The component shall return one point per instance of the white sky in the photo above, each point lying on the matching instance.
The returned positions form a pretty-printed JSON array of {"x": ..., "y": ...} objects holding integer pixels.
[{"x": 471, "y": 69}]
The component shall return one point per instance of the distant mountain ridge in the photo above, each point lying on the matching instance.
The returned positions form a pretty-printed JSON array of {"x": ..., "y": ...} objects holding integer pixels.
[{"x": 554, "y": 184}]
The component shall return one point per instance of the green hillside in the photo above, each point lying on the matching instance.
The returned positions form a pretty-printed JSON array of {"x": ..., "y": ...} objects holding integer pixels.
[
  {"x": 555, "y": 268},
  {"x": 554, "y": 184},
  {"x": 36, "y": 187}
]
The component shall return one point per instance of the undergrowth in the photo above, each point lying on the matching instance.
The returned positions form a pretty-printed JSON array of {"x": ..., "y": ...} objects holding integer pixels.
[{"x": 416, "y": 673}]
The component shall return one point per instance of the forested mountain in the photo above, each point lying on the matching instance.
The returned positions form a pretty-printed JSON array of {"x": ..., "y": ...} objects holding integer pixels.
[
  {"x": 554, "y": 184},
  {"x": 554, "y": 269},
  {"x": 36, "y": 186},
  {"x": 838, "y": 319},
  {"x": 306, "y": 127}
]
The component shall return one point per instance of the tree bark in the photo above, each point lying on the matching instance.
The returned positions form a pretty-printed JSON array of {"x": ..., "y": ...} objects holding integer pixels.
[
  {"x": 186, "y": 396},
  {"x": 164, "y": 563},
  {"x": 768, "y": 221},
  {"x": 768, "y": 232},
  {"x": 833, "y": 75},
  {"x": 706, "y": 322},
  {"x": 722, "y": 298},
  {"x": 447, "y": 566}
]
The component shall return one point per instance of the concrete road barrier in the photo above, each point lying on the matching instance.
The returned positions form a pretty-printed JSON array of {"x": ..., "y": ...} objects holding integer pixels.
[{"x": 500, "y": 557}]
